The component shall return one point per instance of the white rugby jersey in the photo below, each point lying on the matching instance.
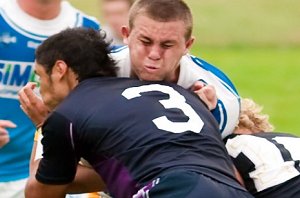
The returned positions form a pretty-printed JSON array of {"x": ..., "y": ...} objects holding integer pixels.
[
  {"x": 193, "y": 69},
  {"x": 265, "y": 160}
]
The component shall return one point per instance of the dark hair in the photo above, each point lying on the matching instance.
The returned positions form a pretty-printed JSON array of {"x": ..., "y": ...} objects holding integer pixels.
[
  {"x": 82, "y": 49},
  {"x": 164, "y": 11}
]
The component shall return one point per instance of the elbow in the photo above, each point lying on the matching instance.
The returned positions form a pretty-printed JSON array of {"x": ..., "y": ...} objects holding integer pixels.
[{"x": 30, "y": 188}]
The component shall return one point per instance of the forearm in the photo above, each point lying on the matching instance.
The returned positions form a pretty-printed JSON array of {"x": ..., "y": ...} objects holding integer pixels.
[
  {"x": 86, "y": 180},
  {"x": 238, "y": 176},
  {"x": 35, "y": 189}
]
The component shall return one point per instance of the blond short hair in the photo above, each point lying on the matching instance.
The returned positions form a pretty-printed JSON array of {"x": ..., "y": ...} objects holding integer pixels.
[
  {"x": 163, "y": 11},
  {"x": 252, "y": 118}
]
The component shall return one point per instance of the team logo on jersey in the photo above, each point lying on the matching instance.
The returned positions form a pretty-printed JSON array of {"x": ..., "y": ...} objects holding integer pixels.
[
  {"x": 13, "y": 76},
  {"x": 6, "y": 38},
  {"x": 32, "y": 44}
]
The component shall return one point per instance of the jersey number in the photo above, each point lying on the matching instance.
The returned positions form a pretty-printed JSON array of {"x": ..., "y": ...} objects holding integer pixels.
[{"x": 176, "y": 100}]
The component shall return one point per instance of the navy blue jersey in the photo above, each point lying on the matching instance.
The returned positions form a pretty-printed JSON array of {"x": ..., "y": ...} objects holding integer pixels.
[
  {"x": 193, "y": 69},
  {"x": 268, "y": 163},
  {"x": 131, "y": 132}
]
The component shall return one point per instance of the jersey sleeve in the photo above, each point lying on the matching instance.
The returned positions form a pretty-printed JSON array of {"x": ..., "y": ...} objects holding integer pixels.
[
  {"x": 91, "y": 23},
  {"x": 59, "y": 162},
  {"x": 228, "y": 105}
]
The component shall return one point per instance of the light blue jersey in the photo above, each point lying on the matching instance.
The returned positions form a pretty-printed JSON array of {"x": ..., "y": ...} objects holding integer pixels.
[{"x": 20, "y": 34}]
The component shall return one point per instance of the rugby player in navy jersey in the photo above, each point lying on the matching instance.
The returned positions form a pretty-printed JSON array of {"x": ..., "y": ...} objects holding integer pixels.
[
  {"x": 267, "y": 161},
  {"x": 145, "y": 139}
]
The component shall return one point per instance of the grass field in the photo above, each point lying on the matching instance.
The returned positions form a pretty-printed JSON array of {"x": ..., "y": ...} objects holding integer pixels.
[{"x": 256, "y": 43}]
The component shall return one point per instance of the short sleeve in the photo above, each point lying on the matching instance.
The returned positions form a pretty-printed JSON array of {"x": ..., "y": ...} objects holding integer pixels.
[{"x": 59, "y": 162}]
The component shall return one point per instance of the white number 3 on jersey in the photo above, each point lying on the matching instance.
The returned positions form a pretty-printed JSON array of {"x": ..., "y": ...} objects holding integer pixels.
[{"x": 176, "y": 100}]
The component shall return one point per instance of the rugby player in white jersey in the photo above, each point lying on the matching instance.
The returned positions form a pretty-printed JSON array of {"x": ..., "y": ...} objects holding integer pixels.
[{"x": 267, "y": 161}]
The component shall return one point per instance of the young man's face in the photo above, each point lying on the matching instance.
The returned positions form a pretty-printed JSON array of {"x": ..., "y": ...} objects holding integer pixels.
[
  {"x": 156, "y": 48},
  {"x": 52, "y": 87}
]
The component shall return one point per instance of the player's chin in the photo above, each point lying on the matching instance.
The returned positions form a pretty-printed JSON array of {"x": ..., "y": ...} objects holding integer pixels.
[{"x": 150, "y": 77}]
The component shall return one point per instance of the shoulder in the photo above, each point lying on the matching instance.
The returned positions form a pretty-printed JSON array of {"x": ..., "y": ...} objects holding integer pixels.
[
  {"x": 272, "y": 135},
  {"x": 199, "y": 62},
  {"x": 55, "y": 123},
  {"x": 261, "y": 140},
  {"x": 120, "y": 51},
  {"x": 122, "y": 58},
  {"x": 236, "y": 144},
  {"x": 120, "y": 55},
  {"x": 2, "y": 2}
]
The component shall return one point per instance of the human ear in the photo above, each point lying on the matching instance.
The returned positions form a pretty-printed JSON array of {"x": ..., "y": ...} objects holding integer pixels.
[
  {"x": 59, "y": 69},
  {"x": 188, "y": 44},
  {"x": 125, "y": 33}
]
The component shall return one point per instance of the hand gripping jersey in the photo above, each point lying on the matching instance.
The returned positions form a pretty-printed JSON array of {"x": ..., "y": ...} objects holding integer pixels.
[
  {"x": 193, "y": 69},
  {"x": 20, "y": 34},
  {"x": 131, "y": 132},
  {"x": 268, "y": 163}
]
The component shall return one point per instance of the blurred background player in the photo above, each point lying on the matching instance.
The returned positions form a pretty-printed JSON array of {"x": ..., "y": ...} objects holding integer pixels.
[
  {"x": 115, "y": 15},
  {"x": 267, "y": 161},
  {"x": 24, "y": 24}
]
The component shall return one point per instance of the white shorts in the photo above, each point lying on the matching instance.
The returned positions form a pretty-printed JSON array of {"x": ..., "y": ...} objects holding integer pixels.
[{"x": 13, "y": 189}]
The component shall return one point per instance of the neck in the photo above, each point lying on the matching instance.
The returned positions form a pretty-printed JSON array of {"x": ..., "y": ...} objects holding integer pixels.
[
  {"x": 41, "y": 9},
  {"x": 173, "y": 78}
]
